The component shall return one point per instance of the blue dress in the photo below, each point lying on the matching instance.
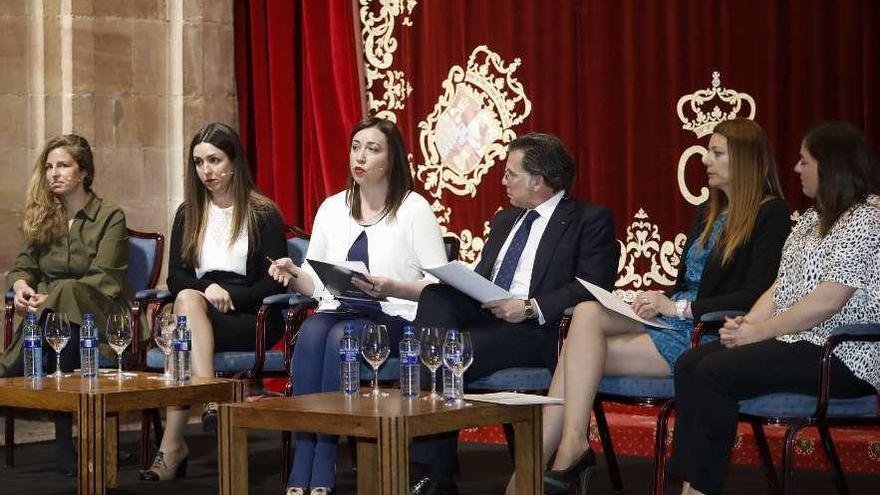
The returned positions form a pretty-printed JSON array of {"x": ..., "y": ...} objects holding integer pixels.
[{"x": 672, "y": 343}]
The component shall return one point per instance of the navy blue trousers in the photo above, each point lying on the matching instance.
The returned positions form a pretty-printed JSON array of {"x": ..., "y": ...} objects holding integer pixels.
[{"x": 315, "y": 368}]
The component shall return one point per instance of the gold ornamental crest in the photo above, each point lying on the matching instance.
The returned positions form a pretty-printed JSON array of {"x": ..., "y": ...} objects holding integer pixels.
[{"x": 471, "y": 124}]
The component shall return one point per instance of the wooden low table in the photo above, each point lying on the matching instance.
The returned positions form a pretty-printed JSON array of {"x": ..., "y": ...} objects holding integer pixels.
[
  {"x": 383, "y": 427},
  {"x": 93, "y": 403}
]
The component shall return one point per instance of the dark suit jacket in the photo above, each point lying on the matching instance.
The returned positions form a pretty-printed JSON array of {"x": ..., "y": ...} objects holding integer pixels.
[
  {"x": 751, "y": 270},
  {"x": 578, "y": 242}
]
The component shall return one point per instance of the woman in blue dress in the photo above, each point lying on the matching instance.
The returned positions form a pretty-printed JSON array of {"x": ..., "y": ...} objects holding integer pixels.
[{"x": 730, "y": 258}]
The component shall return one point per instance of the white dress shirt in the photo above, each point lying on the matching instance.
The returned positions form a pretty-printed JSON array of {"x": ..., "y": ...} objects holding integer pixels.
[{"x": 522, "y": 277}]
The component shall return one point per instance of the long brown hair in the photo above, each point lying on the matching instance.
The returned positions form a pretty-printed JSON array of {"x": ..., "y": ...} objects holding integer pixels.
[
  {"x": 248, "y": 205},
  {"x": 847, "y": 166},
  {"x": 753, "y": 180},
  {"x": 400, "y": 181},
  {"x": 45, "y": 218}
]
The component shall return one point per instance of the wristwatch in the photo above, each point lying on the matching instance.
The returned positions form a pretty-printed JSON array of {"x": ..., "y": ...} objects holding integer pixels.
[
  {"x": 529, "y": 309},
  {"x": 681, "y": 307}
]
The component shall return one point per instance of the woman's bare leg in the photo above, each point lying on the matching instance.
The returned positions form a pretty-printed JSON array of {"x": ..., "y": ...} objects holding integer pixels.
[{"x": 193, "y": 305}]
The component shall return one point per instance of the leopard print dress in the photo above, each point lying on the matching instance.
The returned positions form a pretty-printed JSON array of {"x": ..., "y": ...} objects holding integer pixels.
[{"x": 849, "y": 255}]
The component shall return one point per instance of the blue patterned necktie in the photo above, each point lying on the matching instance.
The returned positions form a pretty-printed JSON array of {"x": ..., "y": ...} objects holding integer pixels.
[{"x": 504, "y": 277}]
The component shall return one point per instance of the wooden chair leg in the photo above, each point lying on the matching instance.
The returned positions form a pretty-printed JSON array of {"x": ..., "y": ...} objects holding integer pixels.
[
  {"x": 10, "y": 437},
  {"x": 509, "y": 437},
  {"x": 788, "y": 458},
  {"x": 605, "y": 437},
  {"x": 831, "y": 452},
  {"x": 766, "y": 458},
  {"x": 286, "y": 461},
  {"x": 660, "y": 447}
]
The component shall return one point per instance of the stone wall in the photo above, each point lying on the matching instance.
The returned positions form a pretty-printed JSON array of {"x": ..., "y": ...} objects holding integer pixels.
[{"x": 135, "y": 77}]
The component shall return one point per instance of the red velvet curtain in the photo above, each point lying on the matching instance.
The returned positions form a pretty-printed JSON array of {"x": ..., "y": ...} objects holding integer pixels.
[
  {"x": 298, "y": 97},
  {"x": 604, "y": 76}
]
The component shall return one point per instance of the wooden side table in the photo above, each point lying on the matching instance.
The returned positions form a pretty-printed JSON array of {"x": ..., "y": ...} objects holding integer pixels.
[
  {"x": 384, "y": 429},
  {"x": 94, "y": 403}
]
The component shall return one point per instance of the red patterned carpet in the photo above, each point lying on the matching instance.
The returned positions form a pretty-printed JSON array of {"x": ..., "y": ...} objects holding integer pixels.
[{"x": 632, "y": 430}]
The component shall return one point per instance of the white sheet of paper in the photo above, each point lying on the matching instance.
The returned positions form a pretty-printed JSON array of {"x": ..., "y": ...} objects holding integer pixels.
[
  {"x": 618, "y": 305},
  {"x": 513, "y": 398},
  {"x": 468, "y": 281}
]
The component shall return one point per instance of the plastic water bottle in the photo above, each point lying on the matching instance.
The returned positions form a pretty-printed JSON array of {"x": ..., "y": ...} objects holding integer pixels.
[
  {"x": 33, "y": 347},
  {"x": 409, "y": 363},
  {"x": 88, "y": 347},
  {"x": 349, "y": 366},
  {"x": 183, "y": 350}
]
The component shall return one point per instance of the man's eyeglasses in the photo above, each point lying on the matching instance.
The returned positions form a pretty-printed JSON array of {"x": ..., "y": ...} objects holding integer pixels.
[{"x": 510, "y": 174}]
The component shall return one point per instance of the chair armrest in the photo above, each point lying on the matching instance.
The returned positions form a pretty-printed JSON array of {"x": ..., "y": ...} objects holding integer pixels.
[
  {"x": 8, "y": 319},
  {"x": 151, "y": 295},
  {"x": 564, "y": 323},
  {"x": 289, "y": 299},
  {"x": 709, "y": 320},
  {"x": 863, "y": 332},
  {"x": 10, "y": 294},
  {"x": 718, "y": 316}
]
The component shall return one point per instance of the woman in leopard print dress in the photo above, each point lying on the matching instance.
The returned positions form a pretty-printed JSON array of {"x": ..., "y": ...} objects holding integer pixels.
[{"x": 829, "y": 276}]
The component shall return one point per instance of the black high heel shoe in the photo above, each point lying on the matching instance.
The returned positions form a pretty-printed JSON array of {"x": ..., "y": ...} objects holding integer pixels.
[{"x": 559, "y": 482}]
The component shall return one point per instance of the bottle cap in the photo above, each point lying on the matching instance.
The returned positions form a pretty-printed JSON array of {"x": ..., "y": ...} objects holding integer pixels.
[
  {"x": 349, "y": 328},
  {"x": 409, "y": 330},
  {"x": 181, "y": 319},
  {"x": 88, "y": 316}
]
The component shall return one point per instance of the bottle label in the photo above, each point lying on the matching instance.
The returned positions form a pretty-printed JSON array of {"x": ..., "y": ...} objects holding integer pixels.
[
  {"x": 175, "y": 346},
  {"x": 33, "y": 343},
  {"x": 88, "y": 343},
  {"x": 184, "y": 345},
  {"x": 347, "y": 356},
  {"x": 409, "y": 358}
]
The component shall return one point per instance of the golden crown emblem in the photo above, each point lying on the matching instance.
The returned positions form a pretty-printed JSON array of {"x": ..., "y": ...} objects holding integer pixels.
[{"x": 708, "y": 107}]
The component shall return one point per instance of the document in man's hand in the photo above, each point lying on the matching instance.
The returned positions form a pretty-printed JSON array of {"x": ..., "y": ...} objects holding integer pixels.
[
  {"x": 618, "y": 305},
  {"x": 468, "y": 281},
  {"x": 337, "y": 279}
]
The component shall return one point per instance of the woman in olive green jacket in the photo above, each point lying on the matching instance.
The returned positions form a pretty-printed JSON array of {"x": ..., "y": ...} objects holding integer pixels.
[{"x": 75, "y": 248}]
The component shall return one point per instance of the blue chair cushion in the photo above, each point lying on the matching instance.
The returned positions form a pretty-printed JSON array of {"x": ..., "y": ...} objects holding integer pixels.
[
  {"x": 519, "y": 379},
  {"x": 141, "y": 259},
  {"x": 798, "y": 405},
  {"x": 638, "y": 386},
  {"x": 226, "y": 362}
]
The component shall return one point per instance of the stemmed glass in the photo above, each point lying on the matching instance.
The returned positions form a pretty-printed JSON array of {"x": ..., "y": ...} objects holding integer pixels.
[
  {"x": 375, "y": 350},
  {"x": 57, "y": 334},
  {"x": 458, "y": 354},
  {"x": 118, "y": 338},
  {"x": 432, "y": 357},
  {"x": 163, "y": 335}
]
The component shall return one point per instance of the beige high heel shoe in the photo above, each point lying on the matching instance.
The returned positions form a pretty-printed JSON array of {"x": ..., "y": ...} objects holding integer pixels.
[{"x": 167, "y": 466}]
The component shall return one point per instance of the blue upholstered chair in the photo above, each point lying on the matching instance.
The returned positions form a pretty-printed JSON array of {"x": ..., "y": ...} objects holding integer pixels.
[
  {"x": 797, "y": 411},
  {"x": 145, "y": 252},
  {"x": 647, "y": 392}
]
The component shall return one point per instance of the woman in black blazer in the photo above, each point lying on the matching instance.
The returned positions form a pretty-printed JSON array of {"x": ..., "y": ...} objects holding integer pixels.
[{"x": 730, "y": 258}]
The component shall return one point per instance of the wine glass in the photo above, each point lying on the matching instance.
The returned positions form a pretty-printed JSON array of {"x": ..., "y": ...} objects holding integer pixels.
[
  {"x": 57, "y": 335},
  {"x": 458, "y": 354},
  {"x": 163, "y": 335},
  {"x": 375, "y": 350},
  {"x": 432, "y": 357},
  {"x": 118, "y": 338}
]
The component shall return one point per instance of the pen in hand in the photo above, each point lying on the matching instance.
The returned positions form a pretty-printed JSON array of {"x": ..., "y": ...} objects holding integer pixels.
[{"x": 273, "y": 262}]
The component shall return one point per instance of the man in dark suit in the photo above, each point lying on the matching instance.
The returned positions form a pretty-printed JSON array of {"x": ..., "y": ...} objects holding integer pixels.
[{"x": 535, "y": 250}]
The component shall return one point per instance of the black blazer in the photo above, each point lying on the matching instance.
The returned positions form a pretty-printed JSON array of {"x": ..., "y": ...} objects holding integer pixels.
[
  {"x": 578, "y": 242},
  {"x": 751, "y": 270},
  {"x": 247, "y": 292}
]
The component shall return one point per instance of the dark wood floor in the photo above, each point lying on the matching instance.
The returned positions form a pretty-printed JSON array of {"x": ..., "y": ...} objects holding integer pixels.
[{"x": 485, "y": 470}]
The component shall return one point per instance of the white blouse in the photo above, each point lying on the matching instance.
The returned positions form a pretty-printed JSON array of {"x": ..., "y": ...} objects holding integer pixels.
[
  {"x": 849, "y": 254},
  {"x": 217, "y": 253},
  {"x": 398, "y": 248}
]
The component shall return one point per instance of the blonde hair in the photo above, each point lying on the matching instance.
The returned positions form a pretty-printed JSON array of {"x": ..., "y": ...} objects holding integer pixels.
[
  {"x": 45, "y": 218},
  {"x": 753, "y": 180}
]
